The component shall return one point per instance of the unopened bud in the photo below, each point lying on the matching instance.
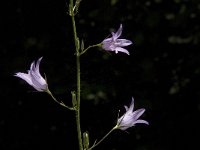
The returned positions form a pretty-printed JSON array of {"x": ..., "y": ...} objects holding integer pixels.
[{"x": 86, "y": 140}]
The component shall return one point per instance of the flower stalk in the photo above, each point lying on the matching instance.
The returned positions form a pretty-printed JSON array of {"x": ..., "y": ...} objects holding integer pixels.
[
  {"x": 103, "y": 138},
  {"x": 60, "y": 103},
  {"x": 89, "y": 47}
]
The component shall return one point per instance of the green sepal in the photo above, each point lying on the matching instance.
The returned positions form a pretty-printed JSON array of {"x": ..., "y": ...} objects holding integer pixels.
[
  {"x": 82, "y": 45},
  {"x": 77, "y": 44},
  {"x": 74, "y": 101},
  {"x": 76, "y": 7}
]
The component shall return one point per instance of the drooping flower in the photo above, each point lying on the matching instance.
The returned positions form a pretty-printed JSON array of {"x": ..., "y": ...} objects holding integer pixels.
[
  {"x": 115, "y": 44},
  {"x": 33, "y": 77},
  {"x": 130, "y": 118}
]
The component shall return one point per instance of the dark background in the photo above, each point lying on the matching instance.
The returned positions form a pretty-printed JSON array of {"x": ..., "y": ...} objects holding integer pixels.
[{"x": 162, "y": 73}]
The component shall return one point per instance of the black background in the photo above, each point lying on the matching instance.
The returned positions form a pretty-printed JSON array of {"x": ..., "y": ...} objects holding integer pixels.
[{"x": 161, "y": 73}]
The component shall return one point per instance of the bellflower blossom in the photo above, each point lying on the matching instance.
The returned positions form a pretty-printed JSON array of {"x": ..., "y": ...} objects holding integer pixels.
[
  {"x": 33, "y": 77},
  {"x": 130, "y": 118},
  {"x": 115, "y": 44}
]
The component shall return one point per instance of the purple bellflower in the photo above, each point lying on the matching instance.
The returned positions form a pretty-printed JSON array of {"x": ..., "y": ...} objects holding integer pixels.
[
  {"x": 115, "y": 44},
  {"x": 34, "y": 78},
  {"x": 130, "y": 118}
]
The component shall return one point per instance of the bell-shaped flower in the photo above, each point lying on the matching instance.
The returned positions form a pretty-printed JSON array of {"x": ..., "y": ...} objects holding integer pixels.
[
  {"x": 115, "y": 44},
  {"x": 33, "y": 77},
  {"x": 130, "y": 118}
]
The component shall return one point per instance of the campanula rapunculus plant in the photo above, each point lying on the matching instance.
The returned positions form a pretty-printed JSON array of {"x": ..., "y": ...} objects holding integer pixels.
[
  {"x": 33, "y": 77},
  {"x": 130, "y": 118},
  {"x": 115, "y": 44}
]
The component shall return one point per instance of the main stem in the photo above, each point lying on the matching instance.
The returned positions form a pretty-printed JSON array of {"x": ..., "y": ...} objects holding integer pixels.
[
  {"x": 78, "y": 102},
  {"x": 78, "y": 77}
]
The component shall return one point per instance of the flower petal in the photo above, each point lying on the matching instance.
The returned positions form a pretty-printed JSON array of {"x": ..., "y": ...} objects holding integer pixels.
[
  {"x": 131, "y": 105},
  {"x": 119, "y": 49},
  {"x": 118, "y": 33},
  {"x": 107, "y": 40},
  {"x": 37, "y": 69},
  {"x": 126, "y": 108},
  {"x": 141, "y": 121},
  {"x": 25, "y": 77},
  {"x": 122, "y": 42},
  {"x": 124, "y": 127},
  {"x": 36, "y": 82},
  {"x": 138, "y": 113},
  {"x": 125, "y": 121}
]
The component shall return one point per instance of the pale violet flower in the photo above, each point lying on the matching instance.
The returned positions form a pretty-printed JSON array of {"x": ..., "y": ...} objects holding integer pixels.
[
  {"x": 115, "y": 44},
  {"x": 33, "y": 77},
  {"x": 130, "y": 118}
]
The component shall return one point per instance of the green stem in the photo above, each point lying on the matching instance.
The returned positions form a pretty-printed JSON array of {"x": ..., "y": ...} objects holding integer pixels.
[
  {"x": 85, "y": 50},
  {"x": 60, "y": 103},
  {"x": 96, "y": 144},
  {"x": 78, "y": 102},
  {"x": 76, "y": 41}
]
